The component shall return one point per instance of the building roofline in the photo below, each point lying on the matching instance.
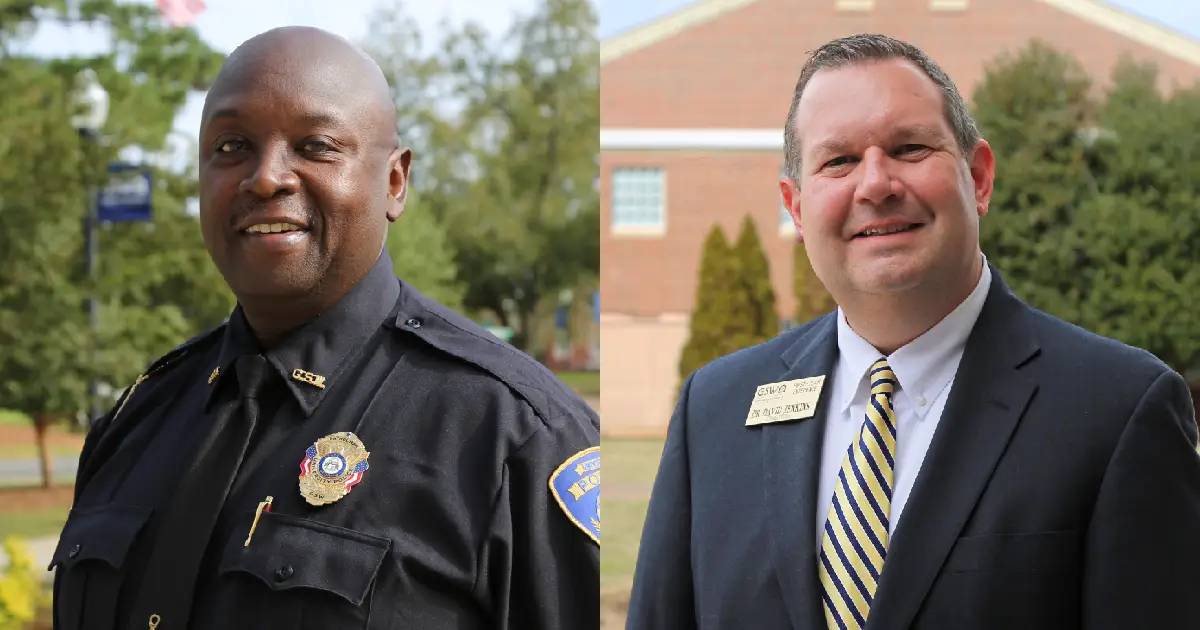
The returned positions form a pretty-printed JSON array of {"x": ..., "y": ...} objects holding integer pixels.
[
  {"x": 1131, "y": 26},
  {"x": 665, "y": 27}
]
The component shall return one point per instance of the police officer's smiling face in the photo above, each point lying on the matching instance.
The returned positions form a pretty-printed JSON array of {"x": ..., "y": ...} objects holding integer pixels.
[{"x": 299, "y": 168}]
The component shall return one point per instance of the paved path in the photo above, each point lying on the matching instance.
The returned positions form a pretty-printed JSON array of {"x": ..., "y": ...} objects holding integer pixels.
[{"x": 25, "y": 469}]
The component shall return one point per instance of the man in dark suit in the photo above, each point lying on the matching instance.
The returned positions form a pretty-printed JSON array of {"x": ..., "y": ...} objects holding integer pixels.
[{"x": 935, "y": 454}]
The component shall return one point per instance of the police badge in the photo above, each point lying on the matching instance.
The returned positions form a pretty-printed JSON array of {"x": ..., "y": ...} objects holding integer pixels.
[
  {"x": 331, "y": 466},
  {"x": 576, "y": 487}
]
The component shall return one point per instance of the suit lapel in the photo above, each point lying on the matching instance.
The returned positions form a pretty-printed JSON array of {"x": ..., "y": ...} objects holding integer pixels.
[
  {"x": 986, "y": 402},
  {"x": 791, "y": 459}
]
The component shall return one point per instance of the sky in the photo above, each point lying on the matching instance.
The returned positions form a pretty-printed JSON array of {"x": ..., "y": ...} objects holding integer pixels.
[{"x": 621, "y": 15}]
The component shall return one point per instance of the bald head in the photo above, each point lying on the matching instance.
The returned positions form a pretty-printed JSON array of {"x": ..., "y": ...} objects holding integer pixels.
[
  {"x": 298, "y": 138},
  {"x": 322, "y": 64}
]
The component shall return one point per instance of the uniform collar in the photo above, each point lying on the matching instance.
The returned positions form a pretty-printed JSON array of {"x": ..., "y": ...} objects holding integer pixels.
[
  {"x": 924, "y": 366},
  {"x": 312, "y": 358}
]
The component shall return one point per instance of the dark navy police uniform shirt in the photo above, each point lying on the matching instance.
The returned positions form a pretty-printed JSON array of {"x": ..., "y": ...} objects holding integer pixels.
[{"x": 454, "y": 524}]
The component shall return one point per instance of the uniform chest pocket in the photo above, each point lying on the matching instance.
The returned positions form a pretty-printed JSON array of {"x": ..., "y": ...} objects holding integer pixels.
[
  {"x": 90, "y": 561},
  {"x": 305, "y": 571}
]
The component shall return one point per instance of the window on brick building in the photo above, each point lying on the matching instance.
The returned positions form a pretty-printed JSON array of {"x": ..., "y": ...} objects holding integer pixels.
[
  {"x": 948, "y": 5},
  {"x": 638, "y": 200}
]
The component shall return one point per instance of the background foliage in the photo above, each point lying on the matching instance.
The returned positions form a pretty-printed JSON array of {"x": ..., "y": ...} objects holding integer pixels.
[
  {"x": 1095, "y": 216},
  {"x": 502, "y": 216}
]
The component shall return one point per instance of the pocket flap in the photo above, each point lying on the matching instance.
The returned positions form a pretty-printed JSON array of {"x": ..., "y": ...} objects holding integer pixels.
[
  {"x": 1014, "y": 552},
  {"x": 289, "y": 552},
  {"x": 103, "y": 532}
]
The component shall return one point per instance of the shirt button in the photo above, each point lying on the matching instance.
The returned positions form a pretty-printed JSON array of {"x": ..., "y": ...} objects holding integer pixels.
[
  {"x": 74, "y": 551},
  {"x": 413, "y": 323},
  {"x": 283, "y": 573},
  {"x": 921, "y": 401}
]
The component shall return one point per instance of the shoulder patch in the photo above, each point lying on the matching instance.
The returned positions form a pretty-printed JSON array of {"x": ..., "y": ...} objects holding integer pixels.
[{"x": 576, "y": 487}]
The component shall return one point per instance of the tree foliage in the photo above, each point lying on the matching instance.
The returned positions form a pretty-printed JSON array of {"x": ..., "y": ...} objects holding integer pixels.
[
  {"x": 760, "y": 319},
  {"x": 154, "y": 284},
  {"x": 1095, "y": 213},
  {"x": 711, "y": 311},
  {"x": 812, "y": 299},
  {"x": 417, "y": 244},
  {"x": 505, "y": 136},
  {"x": 735, "y": 302}
]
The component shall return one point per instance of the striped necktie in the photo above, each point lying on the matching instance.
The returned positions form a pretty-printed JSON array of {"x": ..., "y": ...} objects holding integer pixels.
[{"x": 856, "y": 532}]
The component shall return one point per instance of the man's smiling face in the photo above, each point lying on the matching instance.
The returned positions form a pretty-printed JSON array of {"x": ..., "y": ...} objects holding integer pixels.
[{"x": 296, "y": 161}]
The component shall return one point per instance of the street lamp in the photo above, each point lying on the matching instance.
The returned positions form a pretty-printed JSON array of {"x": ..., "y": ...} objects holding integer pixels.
[{"x": 91, "y": 101}]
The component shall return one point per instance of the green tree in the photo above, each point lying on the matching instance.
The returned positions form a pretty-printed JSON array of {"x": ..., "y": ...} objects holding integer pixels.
[
  {"x": 153, "y": 285},
  {"x": 760, "y": 319},
  {"x": 505, "y": 136},
  {"x": 711, "y": 311},
  {"x": 418, "y": 246},
  {"x": 812, "y": 299},
  {"x": 1094, "y": 214}
]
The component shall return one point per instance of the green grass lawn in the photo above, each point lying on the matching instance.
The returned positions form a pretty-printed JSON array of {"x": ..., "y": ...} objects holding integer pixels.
[
  {"x": 33, "y": 523},
  {"x": 13, "y": 417},
  {"x": 622, "y": 530},
  {"x": 586, "y": 383},
  {"x": 630, "y": 461},
  {"x": 629, "y": 469}
]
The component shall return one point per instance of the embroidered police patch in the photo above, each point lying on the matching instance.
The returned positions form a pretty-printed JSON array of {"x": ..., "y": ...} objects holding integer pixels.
[{"x": 576, "y": 487}]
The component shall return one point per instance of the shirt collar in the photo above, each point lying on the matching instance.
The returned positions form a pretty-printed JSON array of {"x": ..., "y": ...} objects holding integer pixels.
[
  {"x": 923, "y": 366},
  {"x": 312, "y": 358}
]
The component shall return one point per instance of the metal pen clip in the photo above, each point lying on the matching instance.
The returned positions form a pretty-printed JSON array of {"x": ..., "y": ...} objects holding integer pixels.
[{"x": 262, "y": 505}]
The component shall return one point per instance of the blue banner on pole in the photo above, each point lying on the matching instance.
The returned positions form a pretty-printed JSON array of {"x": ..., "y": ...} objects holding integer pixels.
[
  {"x": 127, "y": 196},
  {"x": 596, "y": 306}
]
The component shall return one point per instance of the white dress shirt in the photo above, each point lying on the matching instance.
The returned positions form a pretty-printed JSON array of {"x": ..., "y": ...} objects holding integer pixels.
[{"x": 925, "y": 368}]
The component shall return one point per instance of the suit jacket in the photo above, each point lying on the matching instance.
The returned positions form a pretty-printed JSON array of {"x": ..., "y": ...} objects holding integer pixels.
[{"x": 1061, "y": 490}]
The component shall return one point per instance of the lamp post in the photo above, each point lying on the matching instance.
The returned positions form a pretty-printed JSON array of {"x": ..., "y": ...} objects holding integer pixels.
[{"x": 92, "y": 102}]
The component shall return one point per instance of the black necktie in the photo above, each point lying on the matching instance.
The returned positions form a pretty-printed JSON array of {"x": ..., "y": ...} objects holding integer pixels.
[{"x": 169, "y": 583}]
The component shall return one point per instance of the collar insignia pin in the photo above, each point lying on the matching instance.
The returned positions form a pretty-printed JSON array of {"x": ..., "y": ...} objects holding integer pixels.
[
  {"x": 331, "y": 466},
  {"x": 316, "y": 380}
]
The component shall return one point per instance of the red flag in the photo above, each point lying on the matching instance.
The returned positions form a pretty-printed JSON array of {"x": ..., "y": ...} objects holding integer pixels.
[{"x": 180, "y": 12}]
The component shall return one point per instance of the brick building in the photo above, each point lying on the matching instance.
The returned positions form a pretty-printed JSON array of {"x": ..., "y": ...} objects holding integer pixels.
[{"x": 692, "y": 111}]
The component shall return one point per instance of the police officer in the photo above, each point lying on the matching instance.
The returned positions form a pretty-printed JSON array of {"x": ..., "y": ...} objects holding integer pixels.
[{"x": 344, "y": 452}]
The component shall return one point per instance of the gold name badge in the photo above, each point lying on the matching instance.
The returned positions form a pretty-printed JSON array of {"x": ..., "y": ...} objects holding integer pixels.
[{"x": 787, "y": 400}]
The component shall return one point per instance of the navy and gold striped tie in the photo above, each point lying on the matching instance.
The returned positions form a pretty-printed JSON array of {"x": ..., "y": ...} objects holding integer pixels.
[{"x": 856, "y": 532}]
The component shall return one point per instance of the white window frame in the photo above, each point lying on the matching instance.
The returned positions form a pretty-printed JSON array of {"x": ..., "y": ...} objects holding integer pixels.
[{"x": 635, "y": 229}]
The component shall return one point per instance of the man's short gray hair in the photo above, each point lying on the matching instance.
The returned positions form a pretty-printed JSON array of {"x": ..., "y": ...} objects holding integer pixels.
[{"x": 858, "y": 49}]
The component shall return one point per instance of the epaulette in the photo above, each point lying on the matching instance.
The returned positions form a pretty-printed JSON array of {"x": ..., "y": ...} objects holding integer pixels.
[
  {"x": 169, "y": 359},
  {"x": 107, "y": 431}
]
